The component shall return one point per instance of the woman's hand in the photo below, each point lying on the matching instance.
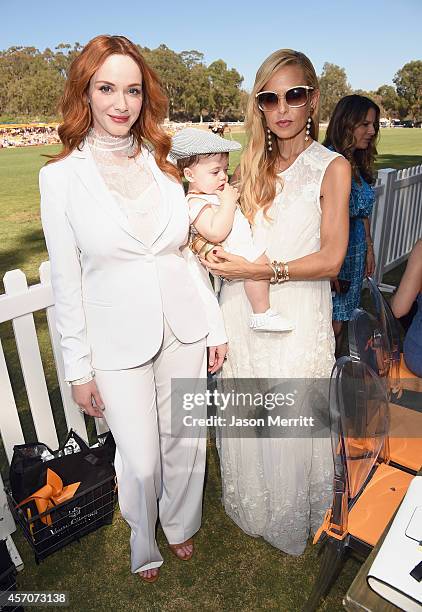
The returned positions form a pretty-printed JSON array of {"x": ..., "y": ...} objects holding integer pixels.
[
  {"x": 230, "y": 266},
  {"x": 211, "y": 257},
  {"x": 370, "y": 262},
  {"x": 216, "y": 356},
  {"x": 88, "y": 399}
]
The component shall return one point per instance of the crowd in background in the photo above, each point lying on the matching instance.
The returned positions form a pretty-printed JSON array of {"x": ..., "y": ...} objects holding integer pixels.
[
  {"x": 24, "y": 136},
  {"x": 41, "y": 135}
]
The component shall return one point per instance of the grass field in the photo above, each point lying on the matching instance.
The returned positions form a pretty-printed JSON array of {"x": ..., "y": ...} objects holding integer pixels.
[
  {"x": 21, "y": 240},
  {"x": 230, "y": 570}
]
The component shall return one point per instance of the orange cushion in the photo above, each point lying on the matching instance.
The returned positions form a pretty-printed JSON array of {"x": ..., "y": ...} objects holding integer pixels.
[
  {"x": 375, "y": 507},
  {"x": 405, "y": 448},
  {"x": 408, "y": 379}
]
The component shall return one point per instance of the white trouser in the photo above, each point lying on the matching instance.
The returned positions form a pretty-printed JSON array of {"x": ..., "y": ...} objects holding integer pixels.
[{"x": 150, "y": 463}]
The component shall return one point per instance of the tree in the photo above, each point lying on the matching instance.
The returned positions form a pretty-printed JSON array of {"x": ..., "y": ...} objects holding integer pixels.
[
  {"x": 32, "y": 84},
  {"x": 408, "y": 81},
  {"x": 172, "y": 72},
  {"x": 192, "y": 58},
  {"x": 388, "y": 97},
  {"x": 364, "y": 92},
  {"x": 197, "y": 94},
  {"x": 64, "y": 56},
  {"x": 32, "y": 81},
  {"x": 334, "y": 86},
  {"x": 244, "y": 98},
  {"x": 225, "y": 89}
]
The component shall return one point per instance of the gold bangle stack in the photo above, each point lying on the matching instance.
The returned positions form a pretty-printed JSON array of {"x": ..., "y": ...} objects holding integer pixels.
[
  {"x": 280, "y": 272},
  {"x": 204, "y": 249}
]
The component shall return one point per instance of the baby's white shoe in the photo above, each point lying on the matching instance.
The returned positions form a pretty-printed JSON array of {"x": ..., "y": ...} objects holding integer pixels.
[{"x": 269, "y": 321}]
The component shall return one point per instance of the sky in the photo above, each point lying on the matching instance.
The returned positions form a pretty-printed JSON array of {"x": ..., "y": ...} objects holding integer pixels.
[{"x": 371, "y": 40}]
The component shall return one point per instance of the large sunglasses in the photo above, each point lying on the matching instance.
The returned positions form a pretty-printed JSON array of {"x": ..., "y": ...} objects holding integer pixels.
[{"x": 295, "y": 97}]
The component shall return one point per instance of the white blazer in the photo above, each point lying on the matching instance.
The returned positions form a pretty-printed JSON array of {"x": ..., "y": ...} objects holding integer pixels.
[{"x": 110, "y": 289}]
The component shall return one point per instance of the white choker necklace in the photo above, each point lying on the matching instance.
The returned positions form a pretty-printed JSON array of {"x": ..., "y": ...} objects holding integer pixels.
[{"x": 106, "y": 142}]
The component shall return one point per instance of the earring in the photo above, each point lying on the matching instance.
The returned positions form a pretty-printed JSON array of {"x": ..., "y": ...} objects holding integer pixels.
[
  {"x": 308, "y": 128},
  {"x": 270, "y": 140}
]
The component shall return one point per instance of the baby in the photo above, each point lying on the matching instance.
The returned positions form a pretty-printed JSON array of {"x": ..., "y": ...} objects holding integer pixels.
[{"x": 203, "y": 159}]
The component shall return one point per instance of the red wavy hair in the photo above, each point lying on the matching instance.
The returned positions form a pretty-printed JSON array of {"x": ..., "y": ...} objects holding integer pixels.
[{"x": 77, "y": 119}]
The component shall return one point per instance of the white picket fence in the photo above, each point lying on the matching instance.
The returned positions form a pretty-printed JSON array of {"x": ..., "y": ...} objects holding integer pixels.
[
  {"x": 397, "y": 217},
  {"x": 18, "y": 305},
  {"x": 396, "y": 225}
]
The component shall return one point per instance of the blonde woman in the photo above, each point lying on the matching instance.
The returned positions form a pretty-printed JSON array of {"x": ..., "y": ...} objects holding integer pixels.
[{"x": 295, "y": 193}]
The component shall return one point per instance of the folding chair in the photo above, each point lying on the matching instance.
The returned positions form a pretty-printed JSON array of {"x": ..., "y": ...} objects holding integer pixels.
[{"x": 367, "y": 491}]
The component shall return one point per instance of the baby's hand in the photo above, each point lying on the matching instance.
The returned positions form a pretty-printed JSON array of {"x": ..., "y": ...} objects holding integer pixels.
[{"x": 228, "y": 196}]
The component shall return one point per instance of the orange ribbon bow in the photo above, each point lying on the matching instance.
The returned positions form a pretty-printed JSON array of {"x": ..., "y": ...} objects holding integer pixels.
[{"x": 51, "y": 494}]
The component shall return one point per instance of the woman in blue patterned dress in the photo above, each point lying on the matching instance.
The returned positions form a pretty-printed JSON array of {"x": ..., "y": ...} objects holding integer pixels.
[{"x": 353, "y": 131}]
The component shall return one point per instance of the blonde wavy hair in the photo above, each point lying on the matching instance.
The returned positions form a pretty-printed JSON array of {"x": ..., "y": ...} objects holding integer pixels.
[{"x": 258, "y": 167}]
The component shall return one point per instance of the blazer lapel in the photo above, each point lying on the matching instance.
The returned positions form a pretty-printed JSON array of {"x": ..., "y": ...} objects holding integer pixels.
[
  {"x": 86, "y": 168},
  {"x": 163, "y": 184}
]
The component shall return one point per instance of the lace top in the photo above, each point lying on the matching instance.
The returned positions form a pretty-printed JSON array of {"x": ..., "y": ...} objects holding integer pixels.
[{"x": 130, "y": 180}]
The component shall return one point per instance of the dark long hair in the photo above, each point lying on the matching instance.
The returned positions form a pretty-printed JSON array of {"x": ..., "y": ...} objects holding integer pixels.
[
  {"x": 349, "y": 112},
  {"x": 77, "y": 118}
]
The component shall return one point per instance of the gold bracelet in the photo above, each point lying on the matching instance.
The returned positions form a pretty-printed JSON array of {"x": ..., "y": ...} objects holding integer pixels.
[
  {"x": 205, "y": 248},
  {"x": 194, "y": 239},
  {"x": 210, "y": 247},
  {"x": 273, "y": 279},
  {"x": 281, "y": 272}
]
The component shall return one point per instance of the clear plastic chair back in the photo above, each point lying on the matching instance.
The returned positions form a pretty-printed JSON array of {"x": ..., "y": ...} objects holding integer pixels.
[
  {"x": 390, "y": 328},
  {"x": 369, "y": 343},
  {"x": 359, "y": 414}
]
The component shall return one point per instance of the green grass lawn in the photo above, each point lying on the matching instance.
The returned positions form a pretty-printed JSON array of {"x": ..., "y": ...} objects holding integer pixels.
[
  {"x": 230, "y": 570},
  {"x": 21, "y": 240}
]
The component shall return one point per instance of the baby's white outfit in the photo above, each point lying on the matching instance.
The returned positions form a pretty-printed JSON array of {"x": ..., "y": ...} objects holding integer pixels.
[{"x": 239, "y": 241}]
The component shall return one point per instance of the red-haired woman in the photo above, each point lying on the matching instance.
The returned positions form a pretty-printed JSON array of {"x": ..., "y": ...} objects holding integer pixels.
[{"x": 128, "y": 311}]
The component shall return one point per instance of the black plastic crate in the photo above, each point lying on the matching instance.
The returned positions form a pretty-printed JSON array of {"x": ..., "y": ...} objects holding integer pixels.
[{"x": 85, "y": 512}]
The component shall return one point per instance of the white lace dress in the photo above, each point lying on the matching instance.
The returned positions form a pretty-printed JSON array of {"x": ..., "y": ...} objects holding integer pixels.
[{"x": 280, "y": 488}]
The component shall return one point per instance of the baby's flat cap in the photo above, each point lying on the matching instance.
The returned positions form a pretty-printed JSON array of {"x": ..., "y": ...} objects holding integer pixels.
[{"x": 191, "y": 141}]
